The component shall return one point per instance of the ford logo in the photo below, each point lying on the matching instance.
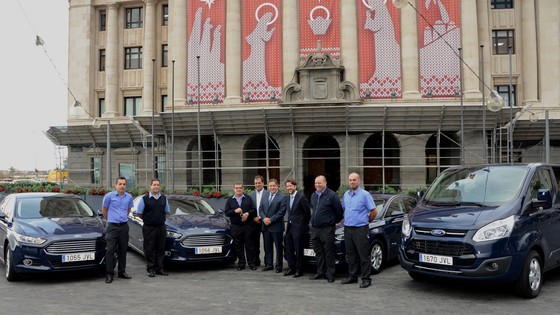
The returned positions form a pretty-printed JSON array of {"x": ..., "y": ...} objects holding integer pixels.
[{"x": 438, "y": 232}]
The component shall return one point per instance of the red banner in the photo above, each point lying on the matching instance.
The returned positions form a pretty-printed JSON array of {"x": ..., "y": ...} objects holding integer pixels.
[
  {"x": 379, "y": 49},
  {"x": 262, "y": 50},
  {"x": 439, "y": 37},
  {"x": 319, "y": 20},
  {"x": 206, "y": 31}
]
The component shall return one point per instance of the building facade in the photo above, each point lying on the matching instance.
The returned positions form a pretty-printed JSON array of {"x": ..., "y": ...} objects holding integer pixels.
[{"x": 287, "y": 88}]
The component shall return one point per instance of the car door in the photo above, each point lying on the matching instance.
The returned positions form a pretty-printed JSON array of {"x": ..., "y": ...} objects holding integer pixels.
[
  {"x": 135, "y": 237},
  {"x": 550, "y": 217},
  {"x": 4, "y": 223},
  {"x": 394, "y": 215}
]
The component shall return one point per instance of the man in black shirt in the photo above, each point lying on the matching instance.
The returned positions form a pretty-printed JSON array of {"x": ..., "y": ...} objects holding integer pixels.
[
  {"x": 152, "y": 209},
  {"x": 327, "y": 211}
]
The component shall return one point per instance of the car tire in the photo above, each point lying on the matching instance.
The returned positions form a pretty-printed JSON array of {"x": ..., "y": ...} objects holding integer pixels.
[
  {"x": 11, "y": 274},
  {"x": 417, "y": 276},
  {"x": 377, "y": 256},
  {"x": 530, "y": 282}
]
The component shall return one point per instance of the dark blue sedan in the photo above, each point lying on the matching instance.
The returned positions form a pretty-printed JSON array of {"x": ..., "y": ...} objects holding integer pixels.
[
  {"x": 384, "y": 232},
  {"x": 43, "y": 232},
  {"x": 195, "y": 232}
]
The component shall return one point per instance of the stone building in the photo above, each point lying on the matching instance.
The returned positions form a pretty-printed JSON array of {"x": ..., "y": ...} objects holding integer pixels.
[{"x": 288, "y": 88}]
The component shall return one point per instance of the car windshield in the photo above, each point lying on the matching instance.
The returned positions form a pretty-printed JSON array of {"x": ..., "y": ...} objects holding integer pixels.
[
  {"x": 184, "y": 206},
  {"x": 379, "y": 204},
  {"x": 477, "y": 185},
  {"x": 52, "y": 207}
]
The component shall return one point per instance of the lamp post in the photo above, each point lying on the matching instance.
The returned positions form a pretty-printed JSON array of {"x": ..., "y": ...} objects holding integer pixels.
[
  {"x": 173, "y": 126},
  {"x": 462, "y": 107},
  {"x": 510, "y": 96},
  {"x": 198, "y": 125},
  {"x": 109, "y": 153},
  {"x": 153, "y": 113},
  {"x": 484, "y": 140}
]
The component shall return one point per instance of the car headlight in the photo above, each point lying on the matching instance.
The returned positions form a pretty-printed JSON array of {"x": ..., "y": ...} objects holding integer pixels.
[
  {"x": 406, "y": 227},
  {"x": 495, "y": 230},
  {"x": 29, "y": 239},
  {"x": 173, "y": 234}
]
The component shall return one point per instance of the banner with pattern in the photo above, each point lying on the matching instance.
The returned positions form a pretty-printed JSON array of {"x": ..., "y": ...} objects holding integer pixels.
[
  {"x": 379, "y": 49},
  {"x": 206, "y": 31},
  {"x": 439, "y": 37},
  {"x": 262, "y": 50},
  {"x": 319, "y": 20}
]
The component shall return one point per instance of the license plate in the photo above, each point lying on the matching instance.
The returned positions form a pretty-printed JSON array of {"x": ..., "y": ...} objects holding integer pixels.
[
  {"x": 208, "y": 250},
  {"x": 78, "y": 257},
  {"x": 308, "y": 252},
  {"x": 436, "y": 259}
]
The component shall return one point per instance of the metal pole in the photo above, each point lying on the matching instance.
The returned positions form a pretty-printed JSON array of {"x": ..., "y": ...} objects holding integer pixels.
[
  {"x": 198, "y": 126},
  {"x": 546, "y": 137},
  {"x": 109, "y": 153},
  {"x": 153, "y": 113},
  {"x": 173, "y": 126},
  {"x": 510, "y": 92},
  {"x": 462, "y": 107},
  {"x": 484, "y": 139}
]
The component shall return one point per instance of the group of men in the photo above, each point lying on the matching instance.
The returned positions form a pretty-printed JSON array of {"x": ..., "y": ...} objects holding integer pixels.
[
  {"x": 262, "y": 212},
  {"x": 259, "y": 213}
]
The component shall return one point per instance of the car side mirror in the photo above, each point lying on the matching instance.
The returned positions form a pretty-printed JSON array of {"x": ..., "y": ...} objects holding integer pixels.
[
  {"x": 220, "y": 211},
  {"x": 420, "y": 194},
  {"x": 544, "y": 199},
  {"x": 100, "y": 213}
]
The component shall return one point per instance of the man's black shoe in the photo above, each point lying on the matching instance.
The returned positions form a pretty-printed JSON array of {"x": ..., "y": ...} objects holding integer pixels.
[
  {"x": 298, "y": 274},
  {"x": 330, "y": 280},
  {"x": 316, "y": 277},
  {"x": 240, "y": 267},
  {"x": 109, "y": 279},
  {"x": 161, "y": 272},
  {"x": 290, "y": 272},
  {"x": 253, "y": 267},
  {"x": 151, "y": 273},
  {"x": 124, "y": 275},
  {"x": 279, "y": 270},
  {"x": 349, "y": 280},
  {"x": 266, "y": 268},
  {"x": 365, "y": 284}
]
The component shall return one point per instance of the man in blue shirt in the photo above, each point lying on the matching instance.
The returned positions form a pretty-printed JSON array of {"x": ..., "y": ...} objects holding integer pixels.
[
  {"x": 359, "y": 211},
  {"x": 116, "y": 207},
  {"x": 152, "y": 209}
]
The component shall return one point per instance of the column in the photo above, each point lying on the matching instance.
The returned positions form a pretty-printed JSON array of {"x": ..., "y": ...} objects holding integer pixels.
[
  {"x": 471, "y": 47},
  {"x": 528, "y": 51},
  {"x": 112, "y": 61},
  {"x": 178, "y": 51},
  {"x": 290, "y": 39},
  {"x": 349, "y": 41},
  {"x": 484, "y": 39},
  {"x": 409, "y": 53},
  {"x": 148, "y": 53},
  {"x": 233, "y": 52}
]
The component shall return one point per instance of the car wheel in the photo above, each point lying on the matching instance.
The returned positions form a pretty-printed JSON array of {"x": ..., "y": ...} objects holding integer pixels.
[
  {"x": 417, "y": 276},
  {"x": 530, "y": 282},
  {"x": 10, "y": 269},
  {"x": 377, "y": 256}
]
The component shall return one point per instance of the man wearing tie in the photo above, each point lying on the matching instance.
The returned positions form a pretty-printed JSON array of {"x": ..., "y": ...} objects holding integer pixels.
[
  {"x": 258, "y": 195},
  {"x": 299, "y": 215},
  {"x": 272, "y": 216}
]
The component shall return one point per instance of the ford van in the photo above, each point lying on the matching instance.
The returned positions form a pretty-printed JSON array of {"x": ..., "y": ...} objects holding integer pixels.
[{"x": 498, "y": 223}]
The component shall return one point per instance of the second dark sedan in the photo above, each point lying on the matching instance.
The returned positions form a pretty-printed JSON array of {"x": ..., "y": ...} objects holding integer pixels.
[
  {"x": 195, "y": 232},
  {"x": 384, "y": 232}
]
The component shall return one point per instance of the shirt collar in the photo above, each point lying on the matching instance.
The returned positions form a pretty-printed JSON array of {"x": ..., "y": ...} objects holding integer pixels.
[{"x": 152, "y": 196}]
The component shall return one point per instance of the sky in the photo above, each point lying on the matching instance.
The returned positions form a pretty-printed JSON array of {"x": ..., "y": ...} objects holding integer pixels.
[{"x": 34, "y": 93}]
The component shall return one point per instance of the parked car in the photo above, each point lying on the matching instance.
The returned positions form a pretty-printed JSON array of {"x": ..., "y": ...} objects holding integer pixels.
[
  {"x": 195, "y": 232},
  {"x": 43, "y": 232},
  {"x": 496, "y": 223},
  {"x": 384, "y": 232}
]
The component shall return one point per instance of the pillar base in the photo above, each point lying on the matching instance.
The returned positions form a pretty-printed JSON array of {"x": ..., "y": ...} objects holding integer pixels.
[
  {"x": 232, "y": 100},
  {"x": 411, "y": 95},
  {"x": 472, "y": 94}
]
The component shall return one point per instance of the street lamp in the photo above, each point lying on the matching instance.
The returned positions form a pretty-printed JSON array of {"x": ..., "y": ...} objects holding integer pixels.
[
  {"x": 153, "y": 113},
  {"x": 173, "y": 126},
  {"x": 198, "y": 125}
]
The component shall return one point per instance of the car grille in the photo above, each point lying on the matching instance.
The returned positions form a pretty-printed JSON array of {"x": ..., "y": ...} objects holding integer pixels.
[
  {"x": 206, "y": 240},
  {"x": 440, "y": 248},
  {"x": 75, "y": 246},
  {"x": 206, "y": 257},
  {"x": 448, "y": 232}
]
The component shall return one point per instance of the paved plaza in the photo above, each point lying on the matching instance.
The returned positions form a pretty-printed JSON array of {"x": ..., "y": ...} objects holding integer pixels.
[{"x": 224, "y": 290}]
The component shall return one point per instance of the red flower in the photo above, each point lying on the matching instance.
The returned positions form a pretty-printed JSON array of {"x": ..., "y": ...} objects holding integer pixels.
[
  {"x": 27, "y": 189},
  {"x": 102, "y": 191},
  {"x": 196, "y": 193},
  {"x": 217, "y": 194},
  {"x": 19, "y": 190},
  {"x": 56, "y": 189},
  {"x": 41, "y": 189},
  {"x": 146, "y": 192},
  {"x": 93, "y": 191},
  {"x": 67, "y": 191},
  {"x": 208, "y": 195},
  {"x": 2, "y": 188}
]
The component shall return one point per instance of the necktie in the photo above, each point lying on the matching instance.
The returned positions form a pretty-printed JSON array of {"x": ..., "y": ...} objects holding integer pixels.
[
  {"x": 292, "y": 197},
  {"x": 270, "y": 198}
]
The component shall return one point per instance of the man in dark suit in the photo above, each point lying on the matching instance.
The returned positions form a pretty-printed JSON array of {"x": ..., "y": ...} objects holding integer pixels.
[
  {"x": 241, "y": 213},
  {"x": 258, "y": 195},
  {"x": 272, "y": 216},
  {"x": 299, "y": 214}
]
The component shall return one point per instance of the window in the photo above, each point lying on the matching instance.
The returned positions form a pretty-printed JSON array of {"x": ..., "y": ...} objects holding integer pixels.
[
  {"x": 101, "y": 103},
  {"x": 501, "y": 4},
  {"x": 133, "y": 106},
  {"x": 134, "y": 18},
  {"x": 102, "y": 20},
  {"x": 506, "y": 94},
  {"x": 160, "y": 168},
  {"x": 133, "y": 58},
  {"x": 501, "y": 40},
  {"x": 101, "y": 59},
  {"x": 164, "y": 55},
  {"x": 127, "y": 170},
  {"x": 163, "y": 102},
  {"x": 165, "y": 15},
  {"x": 95, "y": 173}
]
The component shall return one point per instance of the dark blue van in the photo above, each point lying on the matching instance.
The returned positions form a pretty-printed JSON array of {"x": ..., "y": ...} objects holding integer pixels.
[{"x": 498, "y": 223}]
